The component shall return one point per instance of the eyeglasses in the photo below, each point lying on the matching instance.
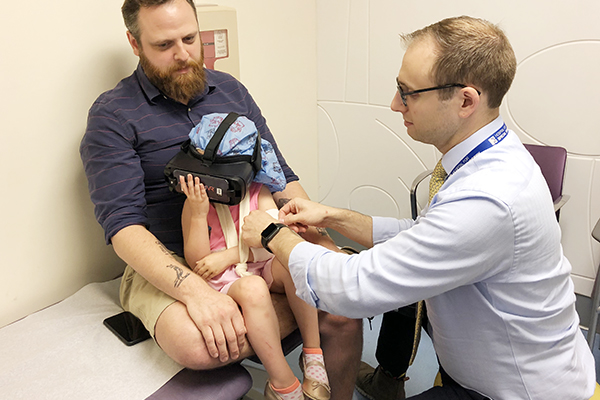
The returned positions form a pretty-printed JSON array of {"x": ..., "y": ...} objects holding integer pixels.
[{"x": 403, "y": 94}]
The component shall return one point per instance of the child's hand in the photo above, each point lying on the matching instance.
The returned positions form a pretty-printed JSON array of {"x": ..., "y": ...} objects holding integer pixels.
[
  {"x": 196, "y": 195},
  {"x": 213, "y": 264}
]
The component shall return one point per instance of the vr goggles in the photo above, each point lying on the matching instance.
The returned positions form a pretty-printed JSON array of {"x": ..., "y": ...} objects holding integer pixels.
[{"x": 226, "y": 178}]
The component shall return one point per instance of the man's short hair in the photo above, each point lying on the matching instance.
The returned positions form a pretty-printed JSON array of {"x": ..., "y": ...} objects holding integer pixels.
[
  {"x": 473, "y": 52},
  {"x": 131, "y": 10}
]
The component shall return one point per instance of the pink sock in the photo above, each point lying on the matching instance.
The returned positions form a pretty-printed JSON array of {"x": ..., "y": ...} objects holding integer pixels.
[
  {"x": 293, "y": 392},
  {"x": 315, "y": 372}
]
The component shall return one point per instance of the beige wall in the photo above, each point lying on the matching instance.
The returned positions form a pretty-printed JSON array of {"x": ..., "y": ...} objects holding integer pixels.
[
  {"x": 56, "y": 59},
  {"x": 553, "y": 101}
]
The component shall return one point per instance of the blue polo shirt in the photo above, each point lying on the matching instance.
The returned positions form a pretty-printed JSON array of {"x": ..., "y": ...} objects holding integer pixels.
[{"x": 133, "y": 131}]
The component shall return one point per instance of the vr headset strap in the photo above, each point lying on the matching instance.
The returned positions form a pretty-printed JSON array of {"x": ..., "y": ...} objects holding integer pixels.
[
  {"x": 232, "y": 236},
  {"x": 213, "y": 145}
]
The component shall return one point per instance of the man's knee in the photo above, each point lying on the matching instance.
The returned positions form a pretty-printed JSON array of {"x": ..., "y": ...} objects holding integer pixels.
[
  {"x": 187, "y": 349},
  {"x": 197, "y": 359},
  {"x": 339, "y": 326},
  {"x": 179, "y": 337}
]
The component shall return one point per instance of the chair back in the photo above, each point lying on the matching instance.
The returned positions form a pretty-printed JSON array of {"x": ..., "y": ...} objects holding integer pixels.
[{"x": 552, "y": 161}]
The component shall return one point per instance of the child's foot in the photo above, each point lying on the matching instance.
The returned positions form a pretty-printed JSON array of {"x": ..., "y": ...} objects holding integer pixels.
[
  {"x": 315, "y": 384},
  {"x": 294, "y": 392}
]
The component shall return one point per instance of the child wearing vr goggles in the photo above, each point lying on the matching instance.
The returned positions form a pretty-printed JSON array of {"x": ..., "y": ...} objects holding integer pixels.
[{"x": 215, "y": 251}]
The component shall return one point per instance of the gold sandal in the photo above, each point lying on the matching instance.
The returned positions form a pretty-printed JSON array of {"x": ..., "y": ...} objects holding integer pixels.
[
  {"x": 312, "y": 389},
  {"x": 271, "y": 394}
]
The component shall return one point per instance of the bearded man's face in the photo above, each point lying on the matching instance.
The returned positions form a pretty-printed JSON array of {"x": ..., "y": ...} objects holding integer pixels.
[
  {"x": 170, "y": 49},
  {"x": 180, "y": 81}
]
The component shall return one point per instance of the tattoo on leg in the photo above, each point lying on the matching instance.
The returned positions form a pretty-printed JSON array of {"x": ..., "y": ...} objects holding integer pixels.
[
  {"x": 180, "y": 275},
  {"x": 282, "y": 202}
]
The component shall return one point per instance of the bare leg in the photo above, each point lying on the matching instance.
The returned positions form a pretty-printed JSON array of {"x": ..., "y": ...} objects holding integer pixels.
[
  {"x": 252, "y": 294},
  {"x": 341, "y": 340},
  {"x": 306, "y": 316},
  {"x": 179, "y": 337},
  {"x": 340, "y": 337}
]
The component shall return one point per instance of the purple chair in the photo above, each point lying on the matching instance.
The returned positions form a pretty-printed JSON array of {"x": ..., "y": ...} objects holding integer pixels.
[
  {"x": 552, "y": 161},
  {"x": 227, "y": 383},
  {"x": 592, "y": 325}
]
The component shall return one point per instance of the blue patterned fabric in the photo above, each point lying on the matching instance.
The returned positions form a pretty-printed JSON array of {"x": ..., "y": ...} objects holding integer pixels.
[{"x": 240, "y": 139}]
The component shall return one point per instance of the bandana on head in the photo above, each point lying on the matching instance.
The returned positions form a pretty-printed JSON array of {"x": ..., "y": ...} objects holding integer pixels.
[{"x": 239, "y": 140}]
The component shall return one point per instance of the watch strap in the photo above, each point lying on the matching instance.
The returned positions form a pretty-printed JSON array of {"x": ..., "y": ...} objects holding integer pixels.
[{"x": 269, "y": 233}]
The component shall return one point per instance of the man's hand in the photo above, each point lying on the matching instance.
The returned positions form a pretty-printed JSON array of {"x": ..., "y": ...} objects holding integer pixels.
[
  {"x": 220, "y": 321},
  {"x": 319, "y": 236},
  {"x": 300, "y": 213},
  {"x": 254, "y": 224}
]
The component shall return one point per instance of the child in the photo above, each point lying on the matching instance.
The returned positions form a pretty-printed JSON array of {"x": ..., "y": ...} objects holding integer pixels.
[{"x": 213, "y": 253}]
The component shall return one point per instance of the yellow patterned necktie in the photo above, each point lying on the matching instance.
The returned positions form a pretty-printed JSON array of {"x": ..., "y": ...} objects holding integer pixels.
[
  {"x": 435, "y": 183},
  {"x": 437, "y": 179}
]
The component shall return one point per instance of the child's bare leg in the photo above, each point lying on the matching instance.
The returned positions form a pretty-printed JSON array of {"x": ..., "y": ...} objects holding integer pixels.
[
  {"x": 252, "y": 294},
  {"x": 316, "y": 382},
  {"x": 306, "y": 316}
]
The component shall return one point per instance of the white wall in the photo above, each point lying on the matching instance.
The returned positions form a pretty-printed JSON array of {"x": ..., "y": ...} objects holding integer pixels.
[
  {"x": 278, "y": 64},
  {"x": 56, "y": 59},
  {"x": 367, "y": 160}
]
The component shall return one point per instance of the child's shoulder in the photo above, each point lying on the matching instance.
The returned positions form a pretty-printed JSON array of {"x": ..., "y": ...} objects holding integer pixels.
[{"x": 255, "y": 188}]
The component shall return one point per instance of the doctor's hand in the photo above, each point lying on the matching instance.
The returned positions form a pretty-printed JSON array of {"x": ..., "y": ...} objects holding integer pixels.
[
  {"x": 300, "y": 213},
  {"x": 254, "y": 224}
]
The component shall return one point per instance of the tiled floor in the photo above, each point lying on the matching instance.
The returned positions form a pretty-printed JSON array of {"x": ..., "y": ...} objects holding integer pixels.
[{"x": 421, "y": 373}]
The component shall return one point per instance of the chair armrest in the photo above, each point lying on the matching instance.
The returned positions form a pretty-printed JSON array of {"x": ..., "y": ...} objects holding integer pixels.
[
  {"x": 558, "y": 203},
  {"x": 596, "y": 231},
  {"x": 413, "y": 191}
]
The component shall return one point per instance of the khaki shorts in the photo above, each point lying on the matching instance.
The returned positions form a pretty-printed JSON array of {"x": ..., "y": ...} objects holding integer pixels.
[{"x": 141, "y": 298}]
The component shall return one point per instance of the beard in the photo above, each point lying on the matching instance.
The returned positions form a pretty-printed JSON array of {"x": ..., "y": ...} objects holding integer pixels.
[{"x": 180, "y": 87}]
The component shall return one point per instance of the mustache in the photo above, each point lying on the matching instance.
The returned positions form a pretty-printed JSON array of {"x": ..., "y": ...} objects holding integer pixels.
[{"x": 190, "y": 63}]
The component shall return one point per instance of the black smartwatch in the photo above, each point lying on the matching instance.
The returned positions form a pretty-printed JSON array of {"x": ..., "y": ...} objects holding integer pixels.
[{"x": 269, "y": 233}]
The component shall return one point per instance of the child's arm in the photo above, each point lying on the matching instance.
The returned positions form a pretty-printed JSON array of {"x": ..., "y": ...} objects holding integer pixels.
[
  {"x": 265, "y": 203},
  {"x": 194, "y": 224},
  {"x": 216, "y": 262},
  {"x": 265, "y": 200}
]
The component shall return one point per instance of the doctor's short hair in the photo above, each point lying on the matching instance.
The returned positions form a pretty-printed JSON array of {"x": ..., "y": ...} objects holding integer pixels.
[
  {"x": 470, "y": 51},
  {"x": 131, "y": 10}
]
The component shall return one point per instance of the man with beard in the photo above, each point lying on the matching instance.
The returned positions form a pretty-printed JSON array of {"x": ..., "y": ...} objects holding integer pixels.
[{"x": 133, "y": 130}]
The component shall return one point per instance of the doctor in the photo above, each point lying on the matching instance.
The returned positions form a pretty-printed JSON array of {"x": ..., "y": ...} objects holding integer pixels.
[{"x": 485, "y": 254}]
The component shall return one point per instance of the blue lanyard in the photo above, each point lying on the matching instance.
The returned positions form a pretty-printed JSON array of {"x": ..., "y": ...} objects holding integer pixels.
[{"x": 493, "y": 140}]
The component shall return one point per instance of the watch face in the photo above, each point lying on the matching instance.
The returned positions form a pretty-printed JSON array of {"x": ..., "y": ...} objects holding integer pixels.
[{"x": 269, "y": 230}]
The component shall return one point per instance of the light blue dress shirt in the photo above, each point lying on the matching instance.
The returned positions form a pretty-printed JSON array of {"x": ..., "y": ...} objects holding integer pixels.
[{"x": 486, "y": 255}]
